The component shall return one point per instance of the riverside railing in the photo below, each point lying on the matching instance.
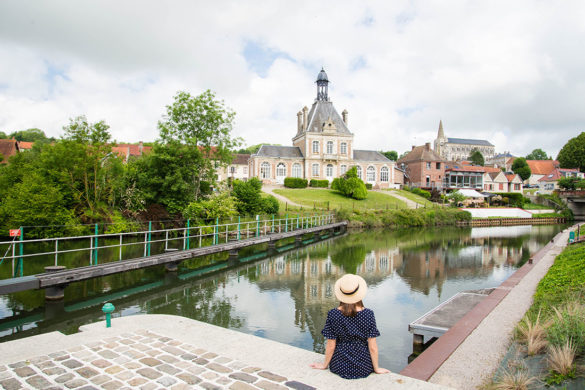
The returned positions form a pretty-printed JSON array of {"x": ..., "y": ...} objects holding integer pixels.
[{"x": 174, "y": 239}]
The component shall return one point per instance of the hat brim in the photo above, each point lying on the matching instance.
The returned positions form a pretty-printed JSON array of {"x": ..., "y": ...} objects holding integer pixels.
[{"x": 355, "y": 297}]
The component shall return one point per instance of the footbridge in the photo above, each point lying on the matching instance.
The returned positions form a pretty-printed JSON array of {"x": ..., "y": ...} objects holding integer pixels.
[
  {"x": 575, "y": 200},
  {"x": 209, "y": 240}
]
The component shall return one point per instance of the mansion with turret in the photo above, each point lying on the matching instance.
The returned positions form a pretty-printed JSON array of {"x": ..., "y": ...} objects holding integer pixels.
[{"x": 323, "y": 148}]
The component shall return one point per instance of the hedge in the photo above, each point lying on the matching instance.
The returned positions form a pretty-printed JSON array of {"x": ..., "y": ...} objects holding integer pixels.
[
  {"x": 514, "y": 198},
  {"x": 295, "y": 182},
  {"x": 319, "y": 183},
  {"x": 368, "y": 186}
]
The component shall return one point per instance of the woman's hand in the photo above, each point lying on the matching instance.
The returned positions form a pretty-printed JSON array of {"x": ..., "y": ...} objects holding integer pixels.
[
  {"x": 319, "y": 366},
  {"x": 381, "y": 370}
]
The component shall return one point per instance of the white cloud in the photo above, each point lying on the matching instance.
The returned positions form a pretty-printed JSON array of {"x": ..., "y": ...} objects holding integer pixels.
[{"x": 507, "y": 72}]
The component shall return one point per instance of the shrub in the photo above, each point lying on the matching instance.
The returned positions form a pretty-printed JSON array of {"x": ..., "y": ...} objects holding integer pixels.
[
  {"x": 423, "y": 193},
  {"x": 319, "y": 183},
  {"x": 515, "y": 199},
  {"x": 338, "y": 184},
  {"x": 270, "y": 205},
  {"x": 568, "y": 327},
  {"x": 368, "y": 186},
  {"x": 360, "y": 192},
  {"x": 295, "y": 182}
]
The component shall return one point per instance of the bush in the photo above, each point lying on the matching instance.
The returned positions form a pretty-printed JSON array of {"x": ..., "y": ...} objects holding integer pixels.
[
  {"x": 515, "y": 199},
  {"x": 568, "y": 325},
  {"x": 319, "y": 183},
  {"x": 423, "y": 193},
  {"x": 360, "y": 192},
  {"x": 368, "y": 186},
  {"x": 270, "y": 204},
  {"x": 295, "y": 182}
]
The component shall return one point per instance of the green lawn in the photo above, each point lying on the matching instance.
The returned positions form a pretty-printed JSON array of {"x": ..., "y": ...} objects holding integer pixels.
[
  {"x": 534, "y": 206},
  {"x": 414, "y": 197},
  {"x": 323, "y": 199}
]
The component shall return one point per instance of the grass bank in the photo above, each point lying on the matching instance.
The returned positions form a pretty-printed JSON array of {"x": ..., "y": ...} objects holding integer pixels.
[
  {"x": 415, "y": 198},
  {"x": 437, "y": 216},
  {"x": 329, "y": 200}
]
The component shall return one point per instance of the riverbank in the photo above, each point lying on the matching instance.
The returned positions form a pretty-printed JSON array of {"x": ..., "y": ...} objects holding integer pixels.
[
  {"x": 435, "y": 216},
  {"x": 154, "y": 351}
]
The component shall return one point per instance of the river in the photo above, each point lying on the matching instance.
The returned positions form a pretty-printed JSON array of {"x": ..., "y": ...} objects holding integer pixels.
[{"x": 286, "y": 297}]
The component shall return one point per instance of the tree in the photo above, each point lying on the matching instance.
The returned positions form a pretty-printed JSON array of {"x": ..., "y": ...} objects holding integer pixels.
[
  {"x": 520, "y": 167},
  {"x": 537, "y": 154},
  {"x": 350, "y": 185},
  {"x": 391, "y": 155},
  {"x": 572, "y": 155},
  {"x": 455, "y": 198},
  {"x": 204, "y": 124},
  {"x": 568, "y": 183},
  {"x": 30, "y": 135},
  {"x": 476, "y": 157}
]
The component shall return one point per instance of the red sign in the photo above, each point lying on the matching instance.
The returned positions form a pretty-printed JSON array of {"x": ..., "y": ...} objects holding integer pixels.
[{"x": 14, "y": 232}]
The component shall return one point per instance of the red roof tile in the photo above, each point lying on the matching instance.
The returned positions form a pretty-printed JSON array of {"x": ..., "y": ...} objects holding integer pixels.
[
  {"x": 8, "y": 147},
  {"x": 23, "y": 145},
  {"x": 542, "y": 167}
]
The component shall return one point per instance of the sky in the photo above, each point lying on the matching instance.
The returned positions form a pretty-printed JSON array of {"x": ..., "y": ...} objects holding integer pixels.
[{"x": 510, "y": 72}]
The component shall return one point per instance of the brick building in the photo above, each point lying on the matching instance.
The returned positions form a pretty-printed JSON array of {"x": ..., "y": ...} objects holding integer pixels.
[{"x": 423, "y": 167}]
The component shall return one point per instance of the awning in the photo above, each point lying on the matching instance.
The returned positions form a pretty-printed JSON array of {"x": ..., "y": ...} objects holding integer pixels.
[{"x": 472, "y": 194}]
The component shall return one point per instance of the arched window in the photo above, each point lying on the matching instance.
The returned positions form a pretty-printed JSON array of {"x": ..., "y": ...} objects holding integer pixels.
[
  {"x": 384, "y": 174},
  {"x": 315, "y": 170},
  {"x": 343, "y": 148},
  {"x": 359, "y": 171},
  {"x": 315, "y": 146},
  {"x": 343, "y": 170},
  {"x": 329, "y": 147},
  {"x": 281, "y": 170},
  {"x": 296, "y": 170},
  {"x": 329, "y": 170},
  {"x": 265, "y": 170},
  {"x": 371, "y": 174}
]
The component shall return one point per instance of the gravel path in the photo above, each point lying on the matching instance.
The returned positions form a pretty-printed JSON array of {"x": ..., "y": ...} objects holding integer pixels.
[
  {"x": 409, "y": 203},
  {"x": 269, "y": 189}
]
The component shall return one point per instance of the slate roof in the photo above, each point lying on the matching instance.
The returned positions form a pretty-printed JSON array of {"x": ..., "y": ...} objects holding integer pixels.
[
  {"x": 420, "y": 153},
  {"x": 241, "y": 159},
  {"x": 465, "y": 141},
  {"x": 279, "y": 151},
  {"x": 369, "y": 155},
  {"x": 321, "y": 112}
]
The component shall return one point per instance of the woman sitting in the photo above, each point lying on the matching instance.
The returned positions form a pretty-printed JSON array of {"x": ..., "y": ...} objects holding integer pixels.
[{"x": 351, "y": 351}]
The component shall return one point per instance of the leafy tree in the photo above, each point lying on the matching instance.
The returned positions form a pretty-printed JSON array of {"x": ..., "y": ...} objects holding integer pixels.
[
  {"x": 270, "y": 205},
  {"x": 476, "y": 157},
  {"x": 537, "y": 154},
  {"x": 3, "y": 135},
  {"x": 520, "y": 167},
  {"x": 572, "y": 155},
  {"x": 568, "y": 183},
  {"x": 248, "y": 195},
  {"x": 580, "y": 184},
  {"x": 30, "y": 135},
  {"x": 391, "y": 155},
  {"x": 350, "y": 185},
  {"x": 204, "y": 124},
  {"x": 221, "y": 206}
]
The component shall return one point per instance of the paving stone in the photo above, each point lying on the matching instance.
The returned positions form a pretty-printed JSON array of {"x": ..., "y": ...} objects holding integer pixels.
[
  {"x": 174, "y": 343},
  {"x": 132, "y": 365},
  {"x": 209, "y": 355},
  {"x": 242, "y": 376},
  {"x": 199, "y": 351},
  {"x": 64, "y": 378},
  {"x": 11, "y": 384},
  {"x": 93, "y": 344},
  {"x": 101, "y": 363},
  {"x": 224, "y": 381},
  {"x": 173, "y": 350},
  {"x": 210, "y": 386},
  {"x": 135, "y": 382},
  {"x": 158, "y": 344},
  {"x": 167, "y": 369},
  {"x": 98, "y": 380},
  {"x": 107, "y": 354},
  {"x": 149, "y": 373},
  {"x": 242, "y": 386},
  {"x": 127, "y": 341},
  {"x": 45, "y": 364},
  {"x": 181, "y": 386},
  {"x": 88, "y": 387},
  {"x": 82, "y": 354},
  {"x": 5, "y": 375},
  {"x": 111, "y": 339},
  {"x": 125, "y": 375},
  {"x": 151, "y": 362},
  {"x": 188, "y": 378},
  {"x": 75, "y": 383},
  {"x": 121, "y": 349},
  {"x": 189, "y": 356},
  {"x": 55, "y": 355},
  {"x": 271, "y": 376},
  {"x": 113, "y": 345},
  {"x": 195, "y": 370},
  {"x": 23, "y": 372},
  {"x": 141, "y": 347},
  {"x": 62, "y": 357},
  {"x": 149, "y": 386},
  {"x": 299, "y": 386},
  {"x": 87, "y": 372},
  {"x": 121, "y": 360},
  {"x": 222, "y": 360},
  {"x": 218, "y": 368},
  {"x": 72, "y": 363},
  {"x": 201, "y": 361},
  {"x": 17, "y": 364},
  {"x": 114, "y": 370},
  {"x": 76, "y": 349},
  {"x": 269, "y": 385},
  {"x": 237, "y": 365},
  {"x": 183, "y": 365},
  {"x": 164, "y": 339},
  {"x": 38, "y": 382},
  {"x": 38, "y": 359},
  {"x": 134, "y": 354},
  {"x": 54, "y": 371},
  {"x": 112, "y": 385},
  {"x": 153, "y": 352},
  {"x": 167, "y": 381},
  {"x": 250, "y": 370},
  {"x": 209, "y": 375}
]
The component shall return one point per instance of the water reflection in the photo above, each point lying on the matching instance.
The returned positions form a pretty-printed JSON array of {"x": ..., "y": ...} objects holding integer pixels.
[{"x": 286, "y": 297}]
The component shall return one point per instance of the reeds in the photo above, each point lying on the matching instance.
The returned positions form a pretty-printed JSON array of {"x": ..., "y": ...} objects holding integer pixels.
[
  {"x": 533, "y": 334},
  {"x": 561, "y": 359},
  {"x": 517, "y": 380}
]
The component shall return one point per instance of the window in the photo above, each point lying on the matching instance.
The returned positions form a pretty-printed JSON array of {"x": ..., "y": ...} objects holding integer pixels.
[
  {"x": 315, "y": 169},
  {"x": 329, "y": 147},
  {"x": 296, "y": 170},
  {"x": 428, "y": 165},
  {"x": 245, "y": 170},
  {"x": 428, "y": 181},
  {"x": 501, "y": 186},
  {"x": 359, "y": 171},
  {"x": 265, "y": 170},
  {"x": 343, "y": 169},
  {"x": 315, "y": 146},
  {"x": 384, "y": 174},
  {"x": 343, "y": 148},
  {"x": 281, "y": 170},
  {"x": 517, "y": 187},
  {"x": 371, "y": 174},
  {"x": 232, "y": 170},
  {"x": 438, "y": 165},
  {"x": 329, "y": 170}
]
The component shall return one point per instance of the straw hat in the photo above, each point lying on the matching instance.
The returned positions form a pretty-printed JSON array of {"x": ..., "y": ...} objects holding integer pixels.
[{"x": 350, "y": 288}]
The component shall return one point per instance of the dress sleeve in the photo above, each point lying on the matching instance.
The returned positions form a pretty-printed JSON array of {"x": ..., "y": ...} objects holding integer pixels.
[
  {"x": 372, "y": 329},
  {"x": 327, "y": 331}
]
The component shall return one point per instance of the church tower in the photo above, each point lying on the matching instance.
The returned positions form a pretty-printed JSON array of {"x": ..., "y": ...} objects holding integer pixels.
[{"x": 440, "y": 141}]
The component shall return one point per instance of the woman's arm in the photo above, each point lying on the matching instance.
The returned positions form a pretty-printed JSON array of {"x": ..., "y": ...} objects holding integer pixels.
[
  {"x": 373, "y": 347},
  {"x": 329, "y": 349}
]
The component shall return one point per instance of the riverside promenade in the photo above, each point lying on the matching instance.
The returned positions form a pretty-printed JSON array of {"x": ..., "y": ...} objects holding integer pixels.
[{"x": 170, "y": 352}]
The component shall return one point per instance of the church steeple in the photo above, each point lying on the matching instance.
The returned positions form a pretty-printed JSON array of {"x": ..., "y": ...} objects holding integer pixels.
[
  {"x": 322, "y": 86},
  {"x": 441, "y": 134}
]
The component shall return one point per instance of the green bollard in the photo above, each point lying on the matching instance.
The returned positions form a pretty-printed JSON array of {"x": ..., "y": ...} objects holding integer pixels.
[{"x": 108, "y": 309}]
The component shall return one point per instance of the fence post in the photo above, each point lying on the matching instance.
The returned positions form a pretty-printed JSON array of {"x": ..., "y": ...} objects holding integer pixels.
[
  {"x": 216, "y": 231},
  {"x": 188, "y": 235},
  {"x": 272, "y": 231},
  {"x": 56, "y": 250},
  {"x": 120, "y": 258},
  {"x": 19, "y": 265},
  {"x": 95, "y": 247},
  {"x": 297, "y": 222},
  {"x": 257, "y": 226},
  {"x": 286, "y": 223},
  {"x": 238, "y": 228},
  {"x": 149, "y": 236}
]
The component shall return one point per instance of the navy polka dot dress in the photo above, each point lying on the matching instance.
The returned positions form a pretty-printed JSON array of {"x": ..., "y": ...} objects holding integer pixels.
[{"x": 351, "y": 359}]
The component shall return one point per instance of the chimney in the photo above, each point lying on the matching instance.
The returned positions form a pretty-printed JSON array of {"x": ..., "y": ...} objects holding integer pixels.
[
  {"x": 428, "y": 146},
  {"x": 344, "y": 116},
  {"x": 140, "y": 147},
  {"x": 413, "y": 148},
  {"x": 305, "y": 124},
  {"x": 299, "y": 121}
]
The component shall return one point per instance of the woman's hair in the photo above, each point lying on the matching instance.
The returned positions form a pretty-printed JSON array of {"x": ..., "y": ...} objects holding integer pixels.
[{"x": 350, "y": 309}]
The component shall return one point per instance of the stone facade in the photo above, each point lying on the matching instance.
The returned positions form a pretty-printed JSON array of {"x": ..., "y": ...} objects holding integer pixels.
[
  {"x": 322, "y": 149},
  {"x": 458, "y": 149}
]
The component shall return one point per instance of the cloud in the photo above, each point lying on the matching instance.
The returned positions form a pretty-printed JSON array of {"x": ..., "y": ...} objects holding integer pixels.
[{"x": 510, "y": 73}]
